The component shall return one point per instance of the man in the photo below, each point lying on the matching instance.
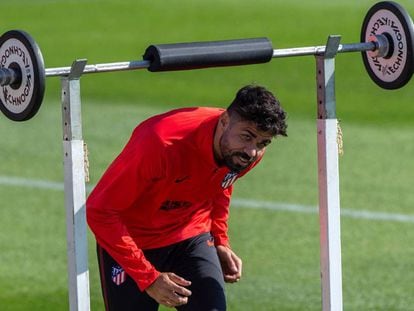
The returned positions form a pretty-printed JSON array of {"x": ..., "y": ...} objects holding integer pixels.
[{"x": 160, "y": 211}]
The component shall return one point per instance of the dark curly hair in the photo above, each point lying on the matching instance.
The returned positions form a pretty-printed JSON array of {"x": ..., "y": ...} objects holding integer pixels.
[{"x": 257, "y": 104}]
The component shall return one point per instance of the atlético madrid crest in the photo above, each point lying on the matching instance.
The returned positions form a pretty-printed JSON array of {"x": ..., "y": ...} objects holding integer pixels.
[
  {"x": 229, "y": 179},
  {"x": 118, "y": 275}
]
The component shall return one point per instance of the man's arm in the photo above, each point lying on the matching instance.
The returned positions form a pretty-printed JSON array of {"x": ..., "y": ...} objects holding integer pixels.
[
  {"x": 219, "y": 217},
  {"x": 117, "y": 191},
  {"x": 230, "y": 262},
  {"x": 139, "y": 168}
]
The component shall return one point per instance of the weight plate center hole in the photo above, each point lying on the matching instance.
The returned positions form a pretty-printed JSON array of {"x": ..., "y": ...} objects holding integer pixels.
[
  {"x": 18, "y": 82},
  {"x": 391, "y": 45}
]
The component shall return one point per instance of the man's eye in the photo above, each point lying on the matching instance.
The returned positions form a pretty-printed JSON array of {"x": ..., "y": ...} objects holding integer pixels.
[
  {"x": 246, "y": 137},
  {"x": 263, "y": 144}
]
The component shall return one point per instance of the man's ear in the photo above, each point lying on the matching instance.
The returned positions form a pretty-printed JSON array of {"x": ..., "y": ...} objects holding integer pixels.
[{"x": 224, "y": 120}]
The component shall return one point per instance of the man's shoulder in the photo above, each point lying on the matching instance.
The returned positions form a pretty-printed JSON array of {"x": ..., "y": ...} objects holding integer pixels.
[
  {"x": 179, "y": 122},
  {"x": 194, "y": 113},
  {"x": 167, "y": 128}
]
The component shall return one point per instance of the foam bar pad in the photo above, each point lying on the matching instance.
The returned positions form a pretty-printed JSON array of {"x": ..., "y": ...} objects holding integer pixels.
[{"x": 195, "y": 55}]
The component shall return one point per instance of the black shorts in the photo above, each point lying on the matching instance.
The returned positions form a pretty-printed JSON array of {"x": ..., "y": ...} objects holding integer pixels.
[{"x": 194, "y": 259}]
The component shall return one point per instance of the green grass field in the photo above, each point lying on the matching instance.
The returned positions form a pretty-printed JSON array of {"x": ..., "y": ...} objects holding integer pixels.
[{"x": 280, "y": 249}]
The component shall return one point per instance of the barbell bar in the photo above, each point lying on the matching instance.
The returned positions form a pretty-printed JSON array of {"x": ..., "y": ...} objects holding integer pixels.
[
  {"x": 8, "y": 76},
  {"x": 277, "y": 53},
  {"x": 143, "y": 64},
  {"x": 387, "y": 47}
]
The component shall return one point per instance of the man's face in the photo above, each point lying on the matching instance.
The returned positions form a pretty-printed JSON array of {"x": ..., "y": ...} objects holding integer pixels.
[{"x": 241, "y": 144}]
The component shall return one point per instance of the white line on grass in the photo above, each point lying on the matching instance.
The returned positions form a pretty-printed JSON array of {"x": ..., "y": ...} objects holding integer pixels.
[
  {"x": 237, "y": 202},
  {"x": 30, "y": 183},
  {"x": 287, "y": 207}
]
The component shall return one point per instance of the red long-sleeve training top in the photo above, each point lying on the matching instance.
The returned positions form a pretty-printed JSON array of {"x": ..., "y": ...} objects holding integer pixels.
[{"x": 164, "y": 187}]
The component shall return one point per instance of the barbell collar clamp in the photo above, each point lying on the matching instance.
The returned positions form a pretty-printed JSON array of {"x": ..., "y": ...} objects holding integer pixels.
[{"x": 383, "y": 47}]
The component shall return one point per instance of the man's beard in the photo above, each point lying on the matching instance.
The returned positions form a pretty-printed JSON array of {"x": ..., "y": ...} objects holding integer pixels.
[
  {"x": 229, "y": 157},
  {"x": 228, "y": 160}
]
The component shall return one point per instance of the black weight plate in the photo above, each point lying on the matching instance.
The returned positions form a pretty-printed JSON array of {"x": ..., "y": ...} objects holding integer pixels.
[
  {"x": 18, "y": 50},
  {"x": 395, "y": 69}
]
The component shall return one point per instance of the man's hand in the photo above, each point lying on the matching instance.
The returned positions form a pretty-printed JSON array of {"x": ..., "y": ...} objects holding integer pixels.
[
  {"x": 168, "y": 290},
  {"x": 230, "y": 263}
]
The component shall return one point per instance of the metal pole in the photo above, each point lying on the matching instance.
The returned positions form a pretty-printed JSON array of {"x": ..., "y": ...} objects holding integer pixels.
[
  {"x": 328, "y": 174},
  {"x": 75, "y": 193}
]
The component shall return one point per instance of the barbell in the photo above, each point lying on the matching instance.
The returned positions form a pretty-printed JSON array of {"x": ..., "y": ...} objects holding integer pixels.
[{"x": 387, "y": 46}]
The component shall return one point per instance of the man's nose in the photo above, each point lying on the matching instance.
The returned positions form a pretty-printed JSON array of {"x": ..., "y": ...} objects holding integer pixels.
[{"x": 251, "y": 151}]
